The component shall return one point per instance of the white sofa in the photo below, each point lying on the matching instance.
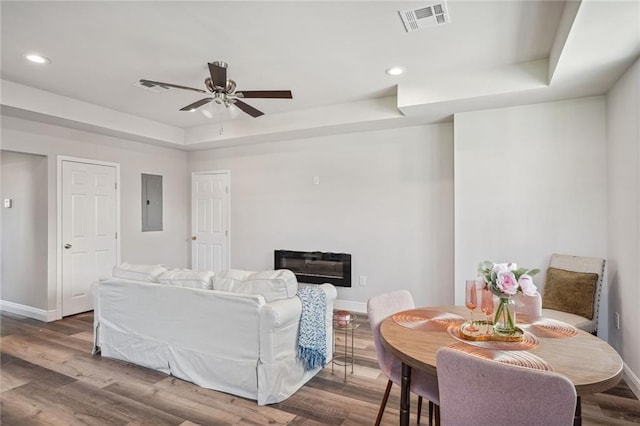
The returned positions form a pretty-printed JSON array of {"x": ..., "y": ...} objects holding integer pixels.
[{"x": 233, "y": 342}]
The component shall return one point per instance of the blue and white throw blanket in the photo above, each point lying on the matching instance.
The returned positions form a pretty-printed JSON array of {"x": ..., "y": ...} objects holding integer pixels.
[{"x": 312, "y": 338}]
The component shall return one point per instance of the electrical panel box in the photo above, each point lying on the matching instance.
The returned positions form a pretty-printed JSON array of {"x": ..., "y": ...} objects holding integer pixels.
[{"x": 151, "y": 203}]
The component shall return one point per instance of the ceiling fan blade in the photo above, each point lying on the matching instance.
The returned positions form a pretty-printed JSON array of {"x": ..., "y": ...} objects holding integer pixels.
[
  {"x": 196, "y": 105},
  {"x": 218, "y": 71},
  {"x": 150, "y": 83},
  {"x": 248, "y": 109},
  {"x": 271, "y": 94}
]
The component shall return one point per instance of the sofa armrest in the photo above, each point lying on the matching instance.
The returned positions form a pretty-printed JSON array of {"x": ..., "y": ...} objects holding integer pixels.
[
  {"x": 280, "y": 313},
  {"x": 331, "y": 292},
  {"x": 279, "y": 324}
]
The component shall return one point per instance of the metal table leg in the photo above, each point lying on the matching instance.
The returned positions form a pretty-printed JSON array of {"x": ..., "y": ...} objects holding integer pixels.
[
  {"x": 405, "y": 395},
  {"x": 577, "y": 418}
]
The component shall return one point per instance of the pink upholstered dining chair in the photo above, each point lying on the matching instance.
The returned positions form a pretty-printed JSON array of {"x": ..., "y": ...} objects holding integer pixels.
[
  {"x": 422, "y": 384},
  {"x": 481, "y": 392}
]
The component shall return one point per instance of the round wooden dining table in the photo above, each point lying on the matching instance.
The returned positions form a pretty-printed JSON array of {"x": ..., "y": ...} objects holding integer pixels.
[{"x": 414, "y": 337}]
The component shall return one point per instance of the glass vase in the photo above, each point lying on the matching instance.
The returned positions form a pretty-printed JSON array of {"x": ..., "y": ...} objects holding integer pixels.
[{"x": 504, "y": 322}]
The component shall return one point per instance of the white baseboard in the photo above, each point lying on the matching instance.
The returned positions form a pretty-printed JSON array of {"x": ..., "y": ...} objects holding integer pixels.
[
  {"x": 347, "y": 305},
  {"x": 632, "y": 380},
  {"x": 28, "y": 311}
]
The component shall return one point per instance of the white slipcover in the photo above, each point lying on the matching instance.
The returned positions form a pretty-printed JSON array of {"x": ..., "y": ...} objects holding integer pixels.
[
  {"x": 147, "y": 273},
  {"x": 187, "y": 278},
  {"x": 272, "y": 285},
  {"x": 231, "y": 342}
]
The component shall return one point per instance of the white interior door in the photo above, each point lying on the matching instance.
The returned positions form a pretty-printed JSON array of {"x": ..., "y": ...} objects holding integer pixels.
[
  {"x": 210, "y": 221},
  {"x": 89, "y": 225}
]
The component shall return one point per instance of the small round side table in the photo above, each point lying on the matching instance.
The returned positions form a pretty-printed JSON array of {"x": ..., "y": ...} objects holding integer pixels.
[{"x": 344, "y": 322}]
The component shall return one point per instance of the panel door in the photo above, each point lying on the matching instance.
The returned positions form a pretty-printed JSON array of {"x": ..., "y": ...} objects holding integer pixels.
[
  {"x": 210, "y": 222},
  {"x": 89, "y": 224}
]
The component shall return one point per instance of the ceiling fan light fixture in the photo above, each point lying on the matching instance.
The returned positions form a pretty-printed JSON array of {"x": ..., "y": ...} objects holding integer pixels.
[
  {"x": 219, "y": 98},
  {"x": 234, "y": 111},
  {"x": 221, "y": 91},
  {"x": 37, "y": 59}
]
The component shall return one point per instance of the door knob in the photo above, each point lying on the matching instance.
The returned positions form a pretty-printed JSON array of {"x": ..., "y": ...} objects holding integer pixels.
[
  {"x": 194, "y": 238},
  {"x": 67, "y": 246}
]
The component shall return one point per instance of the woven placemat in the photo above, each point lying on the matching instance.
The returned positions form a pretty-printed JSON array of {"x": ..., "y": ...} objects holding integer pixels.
[
  {"x": 519, "y": 358},
  {"x": 550, "y": 328},
  {"x": 427, "y": 319}
]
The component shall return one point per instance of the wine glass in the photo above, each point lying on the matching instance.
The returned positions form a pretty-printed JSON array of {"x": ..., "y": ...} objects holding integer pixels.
[
  {"x": 486, "y": 305},
  {"x": 471, "y": 301}
]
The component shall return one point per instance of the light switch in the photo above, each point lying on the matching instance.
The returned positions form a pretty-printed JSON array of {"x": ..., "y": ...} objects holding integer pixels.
[
  {"x": 8, "y": 203},
  {"x": 316, "y": 180}
]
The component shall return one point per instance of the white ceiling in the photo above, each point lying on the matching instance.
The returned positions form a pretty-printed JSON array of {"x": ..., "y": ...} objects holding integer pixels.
[{"x": 332, "y": 55}]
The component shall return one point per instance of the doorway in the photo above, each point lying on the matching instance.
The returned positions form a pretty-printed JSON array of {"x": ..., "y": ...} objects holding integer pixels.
[
  {"x": 210, "y": 247},
  {"x": 88, "y": 221}
]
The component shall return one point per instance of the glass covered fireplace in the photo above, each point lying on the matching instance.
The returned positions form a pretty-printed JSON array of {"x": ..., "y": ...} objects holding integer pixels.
[{"x": 315, "y": 267}]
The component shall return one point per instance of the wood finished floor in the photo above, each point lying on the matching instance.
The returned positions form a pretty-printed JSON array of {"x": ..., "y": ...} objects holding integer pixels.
[{"x": 49, "y": 377}]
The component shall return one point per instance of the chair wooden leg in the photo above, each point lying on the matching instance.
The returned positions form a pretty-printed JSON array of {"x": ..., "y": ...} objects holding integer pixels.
[
  {"x": 419, "y": 408},
  {"x": 430, "y": 413},
  {"x": 384, "y": 402},
  {"x": 437, "y": 414}
]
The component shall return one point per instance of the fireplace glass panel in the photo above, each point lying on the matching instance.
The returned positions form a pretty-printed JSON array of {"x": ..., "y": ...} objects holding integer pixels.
[{"x": 316, "y": 267}]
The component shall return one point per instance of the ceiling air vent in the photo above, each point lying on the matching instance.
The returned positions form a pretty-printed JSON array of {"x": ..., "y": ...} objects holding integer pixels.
[
  {"x": 147, "y": 85},
  {"x": 427, "y": 16}
]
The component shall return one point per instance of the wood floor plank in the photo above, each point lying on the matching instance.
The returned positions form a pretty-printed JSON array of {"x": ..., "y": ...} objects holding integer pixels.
[
  {"x": 86, "y": 336},
  {"x": 129, "y": 411},
  {"x": 40, "y": 404},
  {"x": 49, "y": 377},
  {"x": 66, "y": 327},
  {"x": 37, "y": 351},
  {"x": 101, "y": 371},
  {"x": 176, "y": 405},
  {"x": 18, "y": 372},
  {"x": 614, "y": 407},
  {"x": 305, "y": 403},
  {"x": 245, "y": 408}
]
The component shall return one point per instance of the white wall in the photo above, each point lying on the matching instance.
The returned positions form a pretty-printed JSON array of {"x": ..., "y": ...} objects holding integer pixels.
[
  {"x": 384, "y": 196},
  {"x": 623, "y": 135},
  {"x": 24, "y": 229},
  {"x": 168, "y": 246},
  {"x": 530, "y": 181}
]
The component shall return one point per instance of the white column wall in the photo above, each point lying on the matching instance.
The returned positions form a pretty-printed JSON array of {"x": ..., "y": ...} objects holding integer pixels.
[
  {"x": 530, "y": 181},
  {"x": 623, "y": 135},
  {"x": 383, "y": 196}
]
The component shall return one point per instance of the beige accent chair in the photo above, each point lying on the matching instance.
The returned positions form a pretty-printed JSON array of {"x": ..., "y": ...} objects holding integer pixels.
[{"x": 581, "y": 265}]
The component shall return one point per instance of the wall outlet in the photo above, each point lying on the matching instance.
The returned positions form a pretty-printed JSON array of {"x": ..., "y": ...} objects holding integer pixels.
[
  {"x": 8, "y": 203},
  {"x": 363, "y": 280},
  {"x": 616, "y": 320}
]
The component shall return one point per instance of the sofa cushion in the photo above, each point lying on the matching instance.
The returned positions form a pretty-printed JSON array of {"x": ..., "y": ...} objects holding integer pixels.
[
  {"x": 569, "y": 291},
  {"x": 188, "y": 278},
  {"x": 272, "y": 285},
  {"x": 147, "y": 273}
]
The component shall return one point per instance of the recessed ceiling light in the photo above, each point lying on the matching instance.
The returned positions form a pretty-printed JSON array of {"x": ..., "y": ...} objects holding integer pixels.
[
  {"x": 37, "y": 59},
  {"x": 396, "y": 70}
]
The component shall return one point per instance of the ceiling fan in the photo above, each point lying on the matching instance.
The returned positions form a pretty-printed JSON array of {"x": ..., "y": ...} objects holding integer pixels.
[{"x": 222, "y": 91}]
